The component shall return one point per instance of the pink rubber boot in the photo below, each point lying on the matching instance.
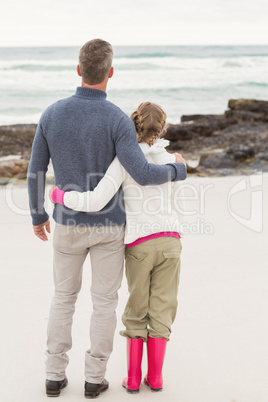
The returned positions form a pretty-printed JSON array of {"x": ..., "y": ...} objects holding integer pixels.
[
  {"x": 156, "y": 349},
  {"x": 134, "y": 358}
]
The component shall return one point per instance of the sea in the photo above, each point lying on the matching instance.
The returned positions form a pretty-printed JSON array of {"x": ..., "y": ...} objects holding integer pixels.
[{"x": 182, "y": 79}]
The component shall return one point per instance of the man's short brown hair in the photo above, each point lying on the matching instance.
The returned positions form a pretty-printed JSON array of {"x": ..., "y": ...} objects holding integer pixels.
[{"x": 95, "y": 61}]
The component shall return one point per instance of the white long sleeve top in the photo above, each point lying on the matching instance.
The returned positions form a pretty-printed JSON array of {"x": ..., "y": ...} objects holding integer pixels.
[{"x": 149, "y": 209}]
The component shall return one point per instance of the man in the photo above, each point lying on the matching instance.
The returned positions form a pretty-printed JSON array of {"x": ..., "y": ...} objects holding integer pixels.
[{"x": 82, "y": 134}]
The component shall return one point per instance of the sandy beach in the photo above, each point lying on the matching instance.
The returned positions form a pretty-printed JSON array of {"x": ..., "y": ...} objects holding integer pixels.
[{"x": 218, "y": 349}]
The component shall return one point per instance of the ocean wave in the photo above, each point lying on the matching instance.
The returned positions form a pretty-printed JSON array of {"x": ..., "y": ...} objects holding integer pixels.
[
  {"x": 253, "y": 84},
  {"x": 191, "y": 79},
  {"x": 200, "y": 52},
  {"x": 20, "y": 110},
  {"x": 231, "y": 64},
  {"x": 166, "y": 91},
  {"x": 146, "y": 55},
  {"x": 32, "y": 64},
  {"x": 40, "y": 67},
  {"x": 140, "y": 66},
  {"x": 208, "y": 63},
  {"x": 142, "y": 61}
]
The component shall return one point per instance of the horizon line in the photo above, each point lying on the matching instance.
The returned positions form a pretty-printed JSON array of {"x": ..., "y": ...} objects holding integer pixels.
[{"x": 137, "y": 45}]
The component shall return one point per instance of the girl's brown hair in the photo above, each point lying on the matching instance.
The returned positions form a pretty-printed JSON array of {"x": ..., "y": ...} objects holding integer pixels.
[{"x": 150, "y": 121}]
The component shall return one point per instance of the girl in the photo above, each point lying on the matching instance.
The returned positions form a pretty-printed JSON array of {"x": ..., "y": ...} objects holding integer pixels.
[{"x": 153, "y": 248}]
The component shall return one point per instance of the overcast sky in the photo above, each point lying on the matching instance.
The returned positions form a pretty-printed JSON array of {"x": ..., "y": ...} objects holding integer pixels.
[{"x": 135, "y": 22}]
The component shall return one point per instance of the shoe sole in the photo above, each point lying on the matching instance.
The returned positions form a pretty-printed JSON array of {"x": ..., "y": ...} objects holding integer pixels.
[
  {"x": 93, "y": 395},
  {"x": 54, "y": 394},
  {"x": 153, "y": 389},
  {"x": 131, "y": 391}
]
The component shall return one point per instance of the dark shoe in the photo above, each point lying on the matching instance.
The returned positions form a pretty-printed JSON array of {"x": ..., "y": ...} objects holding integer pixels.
[
  {"x": 53, "y": 388},
  {"x": 94, "y": 390}
]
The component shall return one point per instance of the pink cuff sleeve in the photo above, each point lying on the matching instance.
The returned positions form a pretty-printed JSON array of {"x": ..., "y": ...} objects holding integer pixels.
[{"x": 57, "y": 196}]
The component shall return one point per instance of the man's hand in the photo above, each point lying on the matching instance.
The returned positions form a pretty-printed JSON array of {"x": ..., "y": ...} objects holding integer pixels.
[
  {"x": 179, "y": 158},
  {"x": 50, "y": 193},
  {"x": 40, "y": 230}
]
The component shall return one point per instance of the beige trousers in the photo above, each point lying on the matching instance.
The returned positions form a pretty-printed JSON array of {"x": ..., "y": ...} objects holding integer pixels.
[
  {"x": 152, "y": 271},
  {"x": 71, "y": 247}
]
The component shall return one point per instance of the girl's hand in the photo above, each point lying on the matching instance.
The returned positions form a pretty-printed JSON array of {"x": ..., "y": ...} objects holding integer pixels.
[
  {"x": 50, "y": 193},
  {"x": 179, "y": 158}
]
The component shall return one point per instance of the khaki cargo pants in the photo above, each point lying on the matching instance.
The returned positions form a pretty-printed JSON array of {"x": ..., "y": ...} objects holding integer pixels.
[{"x": 152, "y": 271}]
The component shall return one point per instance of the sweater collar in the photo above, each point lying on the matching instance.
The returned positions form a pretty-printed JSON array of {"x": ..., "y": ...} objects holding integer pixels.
[{"x": 90, "y": 93}]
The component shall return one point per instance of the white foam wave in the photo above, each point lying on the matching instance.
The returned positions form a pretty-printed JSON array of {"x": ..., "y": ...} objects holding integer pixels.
[{"x": 189, "y": 84}]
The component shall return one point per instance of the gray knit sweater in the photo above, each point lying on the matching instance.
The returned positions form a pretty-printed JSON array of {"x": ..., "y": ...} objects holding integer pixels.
[{"x": 82, "y": 134}]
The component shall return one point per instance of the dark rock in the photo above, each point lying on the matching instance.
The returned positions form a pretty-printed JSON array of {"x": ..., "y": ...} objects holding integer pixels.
[
  {"x": 16, "y": 139},
  {"x": 242, "y": 115},
  {"x": 218, "y": 161},
  {"x": 14, "y": 168},
  {"x": 226, "y": 159},
  {"x": 177, "y": 132},
  {"x": 251, "y": 105},
  {"x": 206, "y": 127},
  {"x": 241, "y": 153},
  {"x": 203, "y": 127},
  {"x": 234, "y": 142},
  {"x": 174, "y": 146},
  {"x": 246, "y": 133},
  {"x": 262, "y": 155},
  {"x": 193, "y": 117}
]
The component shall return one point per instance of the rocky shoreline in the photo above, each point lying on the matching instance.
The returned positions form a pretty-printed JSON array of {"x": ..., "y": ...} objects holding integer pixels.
[
  {"x": 15, "y": 151},
  {"x": 235, "y": 142}
]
